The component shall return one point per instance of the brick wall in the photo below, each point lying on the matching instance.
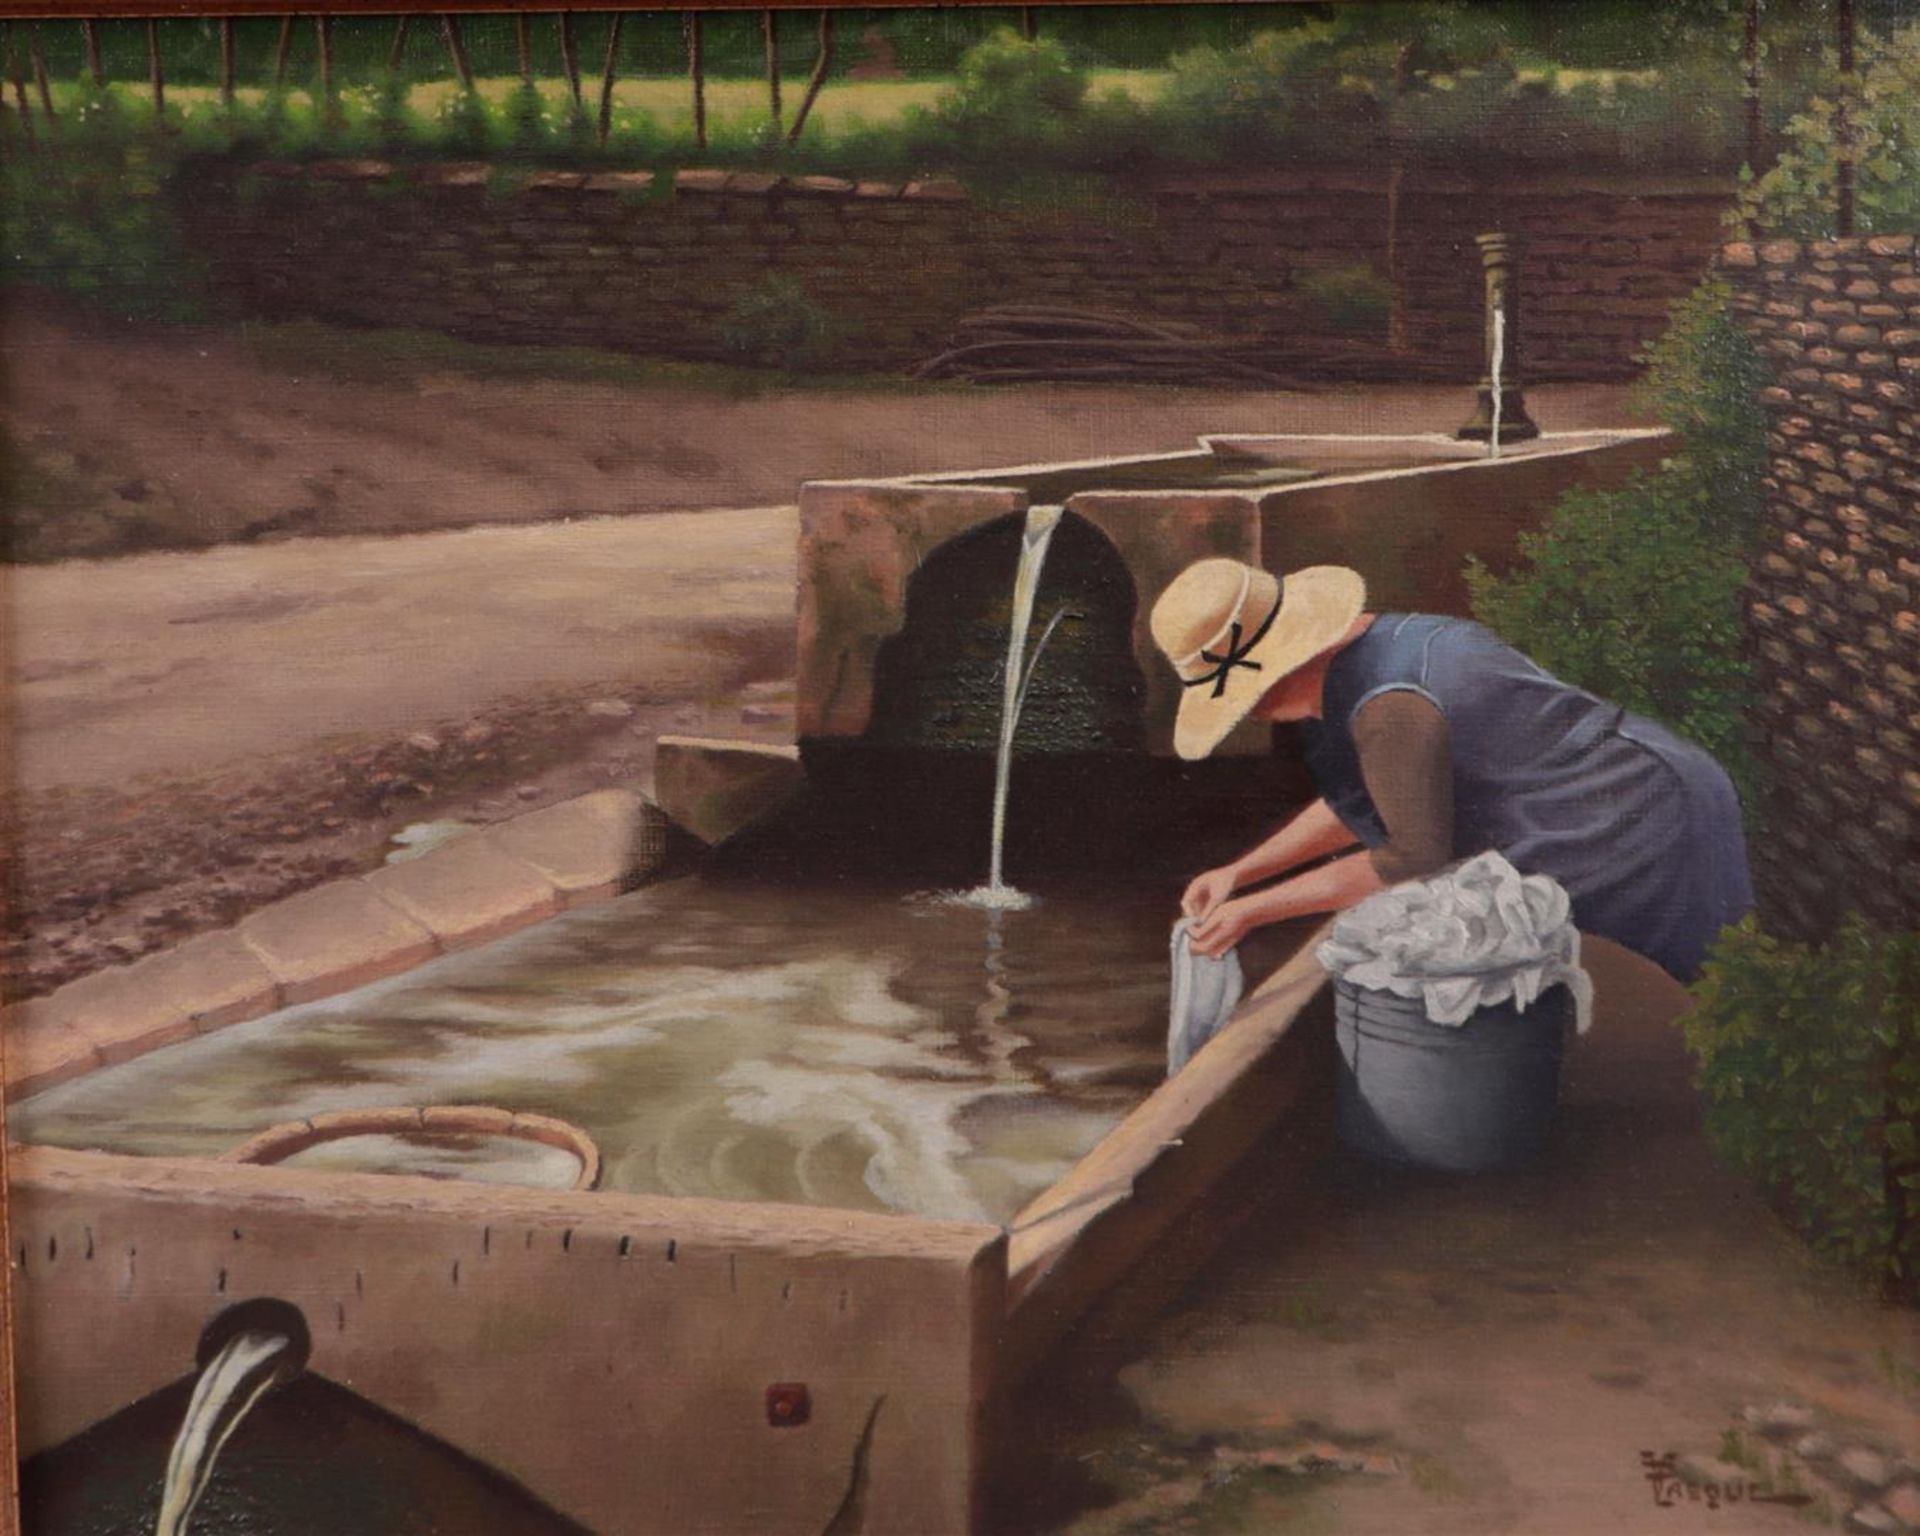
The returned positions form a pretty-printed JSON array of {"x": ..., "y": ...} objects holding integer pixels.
[
  {"x": 1834, "y": 606},
  {"x": 656, "y": 265}
]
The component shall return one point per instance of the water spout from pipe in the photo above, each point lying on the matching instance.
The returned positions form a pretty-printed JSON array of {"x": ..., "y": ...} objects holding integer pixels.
[
  {"x": 238, "y": 1373},
  {"x": 1034, "y": 539},
  {"x": 1499, "y": 392}
]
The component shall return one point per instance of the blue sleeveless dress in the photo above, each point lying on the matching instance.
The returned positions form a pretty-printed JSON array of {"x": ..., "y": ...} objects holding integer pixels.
[{"x": 1643, "y": 829}]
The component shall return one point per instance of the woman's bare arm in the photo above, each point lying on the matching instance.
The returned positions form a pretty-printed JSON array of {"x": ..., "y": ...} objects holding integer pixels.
[
  {"x": 1330, "y": 887},
  {"x": 1314, "y": 832}
]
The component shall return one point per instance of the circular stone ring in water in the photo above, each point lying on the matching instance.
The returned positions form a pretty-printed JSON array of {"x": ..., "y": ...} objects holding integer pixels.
[{"x": 280, "y": 1142}]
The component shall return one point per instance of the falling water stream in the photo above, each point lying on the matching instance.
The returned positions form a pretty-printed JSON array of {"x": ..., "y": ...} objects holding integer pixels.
[
  {"x": 232, "y": 1382},
  {"x": 1038, "y": 534},
  {"x": 1499, "y": 359}
]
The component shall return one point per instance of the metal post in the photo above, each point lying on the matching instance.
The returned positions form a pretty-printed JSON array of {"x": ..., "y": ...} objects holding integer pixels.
[{"x": 1499, "y": 261}]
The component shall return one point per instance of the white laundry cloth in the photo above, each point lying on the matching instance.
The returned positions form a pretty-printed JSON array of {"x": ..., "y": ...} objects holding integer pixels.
[
  {"x": 1476, "y": 936},
  {"x": 1205, "y": 993}
]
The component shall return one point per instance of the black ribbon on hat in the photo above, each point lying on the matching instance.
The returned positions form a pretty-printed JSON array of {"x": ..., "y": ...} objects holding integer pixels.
[{"x": 1236, "y": 655}]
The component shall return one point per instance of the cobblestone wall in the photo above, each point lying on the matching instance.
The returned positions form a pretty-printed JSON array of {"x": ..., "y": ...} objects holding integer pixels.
[
  {"x": 657, "y": 265},
  {"x": 1834, "y": 605}
]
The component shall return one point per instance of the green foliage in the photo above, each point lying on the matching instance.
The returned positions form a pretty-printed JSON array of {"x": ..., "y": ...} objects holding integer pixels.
[
  {"x": 1798, "y": 195},
  {"x": 1810, "y": 1058},
  {"x": 1634, "y": 593},
  {"x": 1352, "y": 299},
  {"x": 93, "y": 222},
  {"x": 1704, "y": 377},
  {"x": 1018, "y": 105},
  {"x": 778, "y": 324}
]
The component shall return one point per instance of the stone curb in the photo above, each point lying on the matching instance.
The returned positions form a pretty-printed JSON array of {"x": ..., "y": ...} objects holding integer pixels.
[
  {"x": 338, "y": 936},
  {"x": 702, "y": 182}
]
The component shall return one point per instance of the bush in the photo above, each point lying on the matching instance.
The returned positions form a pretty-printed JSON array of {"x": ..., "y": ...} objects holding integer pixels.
[
  {"x": 778, "y": 324},
  {"x": 1810, "y": 1060},
  {"x": 1346, "y": 298},
  {"x": 1635, "y": 593},
  {"x": 91, "y": 217},
  {"x": 1798, "y": 195}
]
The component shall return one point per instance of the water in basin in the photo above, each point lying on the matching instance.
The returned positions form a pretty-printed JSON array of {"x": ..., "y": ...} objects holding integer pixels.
[{"x": 826, "y": 1046}]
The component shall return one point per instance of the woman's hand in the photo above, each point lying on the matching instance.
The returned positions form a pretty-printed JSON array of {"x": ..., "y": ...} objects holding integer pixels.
[
  {"x": 1224, "y": 927},
  {"x": 1208, "y": 890}
]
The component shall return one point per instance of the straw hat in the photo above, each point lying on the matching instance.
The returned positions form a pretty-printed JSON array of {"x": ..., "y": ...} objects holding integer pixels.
[{"x": 1232, "y": 631}]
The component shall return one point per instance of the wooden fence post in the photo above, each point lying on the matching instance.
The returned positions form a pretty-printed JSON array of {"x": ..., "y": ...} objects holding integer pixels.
[
  {"x": 570, "y": 55},
  {"x": 40, "y": 81},
  {"x": 283, "y": 51},
  {"x": 323, "y": 38},
  {"x": 770, "y": 27},
  {"x": 226, "y": 61},
  {"x": 95, "y": 67},
  {"x": 607, "y": 78},
  {"x": 20, "y": 88},
  {"x": 697, "y": 77},
  {"x": 456, "y": 45},
  {"x": 822, "y": 63},
  {"x": 155, "y": 71}
]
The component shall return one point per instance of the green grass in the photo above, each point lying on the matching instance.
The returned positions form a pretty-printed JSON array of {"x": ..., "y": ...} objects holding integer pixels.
[{"x": 734, "y": 106}]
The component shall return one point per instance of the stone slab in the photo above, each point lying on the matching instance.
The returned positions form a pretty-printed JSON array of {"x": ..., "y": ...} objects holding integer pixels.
[
  {"x": 715, "y": 789},
  {"x": 332, "y": 938},
  {"x": 467, "y": 891},
  {"x": 590, "y": 847},
  {"x": 41, "y": 1053}
]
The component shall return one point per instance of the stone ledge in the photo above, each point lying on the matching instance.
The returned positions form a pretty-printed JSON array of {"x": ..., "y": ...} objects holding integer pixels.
[
  {"x": 332, "y": 938},
  {"x": 715, "y": 789},
  {"x": 588, "y": 848},
  {"x": 339, "y": 936},
  {"x": 466, "y": 892}
]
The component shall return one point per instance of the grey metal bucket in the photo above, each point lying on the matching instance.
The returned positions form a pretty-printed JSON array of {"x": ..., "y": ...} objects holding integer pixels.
[{"x": 1464, "y": 1098}]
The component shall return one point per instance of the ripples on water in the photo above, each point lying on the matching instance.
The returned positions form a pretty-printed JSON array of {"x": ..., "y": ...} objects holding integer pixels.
[{"x": 820, "y": 1046}]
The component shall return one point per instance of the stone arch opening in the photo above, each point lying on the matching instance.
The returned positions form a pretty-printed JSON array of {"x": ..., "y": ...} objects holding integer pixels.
[{"x": 938, "y": 682}]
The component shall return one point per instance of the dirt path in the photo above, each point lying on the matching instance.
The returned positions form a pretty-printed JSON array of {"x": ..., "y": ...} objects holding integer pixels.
[{"x": 136, "y": 437}]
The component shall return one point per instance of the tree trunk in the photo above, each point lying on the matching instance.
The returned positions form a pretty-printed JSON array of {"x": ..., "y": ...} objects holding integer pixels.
[
  {"x": 523, "y": 35},
  {"x": 822, "y": 63},
  {"x": 226, "y": 61},
  {"x": 95, "y": 67},
  {"x": 611, "y": 72},
  {"x": 457, "y": 47},
  {"x": 1029, "y": 24},
  {"x": 397, "y": 54},
  {"x": 1843, "y": 126},
  {"x": 570, "y": 55},
  {"x": 1750, "y": 62},
  {"x": 770, "y": 27},
  {"x": 283, "y": 52},
  {"x": 156, "y": 74},
  {"x": 697, "y": 78}
]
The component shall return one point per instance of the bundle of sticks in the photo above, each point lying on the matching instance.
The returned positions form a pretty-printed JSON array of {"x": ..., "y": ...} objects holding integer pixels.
[{"x": 1027, "y": 343}]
